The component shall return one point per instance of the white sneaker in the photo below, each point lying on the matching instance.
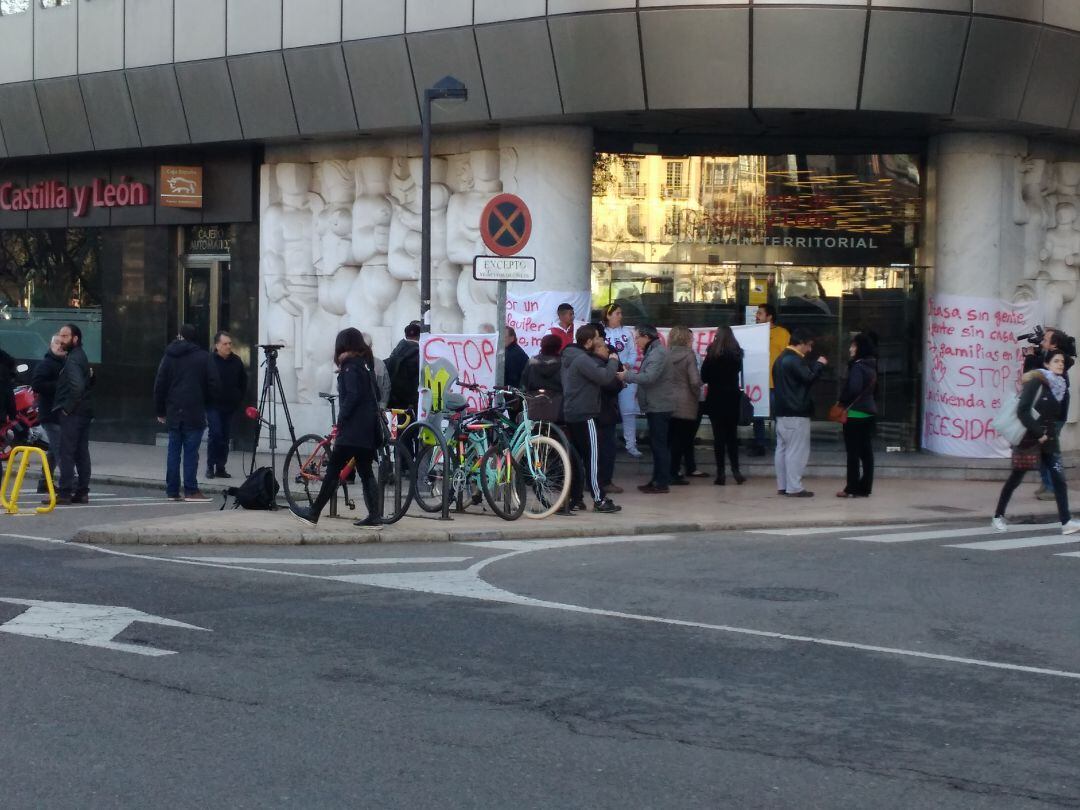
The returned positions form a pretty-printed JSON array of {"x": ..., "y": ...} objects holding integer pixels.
[
  {"x": 633, "y": 451},
  {"x": 999, "y": 524},
  {"x": 1072, "y": 527}
]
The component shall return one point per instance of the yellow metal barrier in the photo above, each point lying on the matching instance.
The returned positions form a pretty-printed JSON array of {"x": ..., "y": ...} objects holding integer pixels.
[{"x": 21, "y": 455}]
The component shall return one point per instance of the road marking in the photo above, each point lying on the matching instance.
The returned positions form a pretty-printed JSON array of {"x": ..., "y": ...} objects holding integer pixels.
[
  {"x": 329, "y": 562},
  {"x": 1022, "y": 542},
  {"x": 945, "y": 534},
  {"x": 1068, "y": 554},
  {"x": 88, "y": 625},
  {"x": 33, "y": 537},
  {"x": 157, "y": 502},
  {"x": 835, "y": 529}
]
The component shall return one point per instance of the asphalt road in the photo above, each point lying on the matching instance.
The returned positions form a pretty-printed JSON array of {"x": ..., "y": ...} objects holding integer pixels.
[{"x": 867, "y": 668}]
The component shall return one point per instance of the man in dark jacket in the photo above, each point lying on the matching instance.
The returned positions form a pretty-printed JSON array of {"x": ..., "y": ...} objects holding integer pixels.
[
  {"x": 43, "y": 381},
  {"x": 587, "y": 366},
  {"x": 516, "y": 359},
  {"x": 792, "y": 379},
  {"x": 74, "y": 408},
  {"x": 231, "y": 388},
  {"x": 185, "y": 383},
  {"x": 403, "y": 366}
]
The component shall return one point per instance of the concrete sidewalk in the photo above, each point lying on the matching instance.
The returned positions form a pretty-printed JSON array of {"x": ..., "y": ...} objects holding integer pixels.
[{"x": 698, "y": 507}]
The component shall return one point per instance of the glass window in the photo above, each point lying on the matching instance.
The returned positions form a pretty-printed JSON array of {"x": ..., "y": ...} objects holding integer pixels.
[
  {"x": 631, "y": 178},
  {"x": 675, "y": 182},
  {"x": 14, "y": 6}
]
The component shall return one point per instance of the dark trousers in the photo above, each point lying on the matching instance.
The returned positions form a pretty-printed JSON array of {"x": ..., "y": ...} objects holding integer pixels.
[
  {"x": 583, "y": 435},
  {"x": 218, "y": 436},
  {"x": 859, "y": 443},
  {"x": 339, "y": 457},
  {"x": 1057, "y": 478},
  {"x": 183, "y": 441},
  {"x": 659, "y": 427},
  {"x": 681, "y": 433},
  {"x": 74, "y": 454},
  {"x": 606, "y": 435},
  {"x": 725, "y": 439},
  {"x": 1044, "y": 469},
  {"x": 52, "y": 435},
  {"x": 759, "y": 422}
]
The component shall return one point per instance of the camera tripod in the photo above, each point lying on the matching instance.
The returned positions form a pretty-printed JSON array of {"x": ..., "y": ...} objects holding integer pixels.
[{"x": 272, "y": 395}]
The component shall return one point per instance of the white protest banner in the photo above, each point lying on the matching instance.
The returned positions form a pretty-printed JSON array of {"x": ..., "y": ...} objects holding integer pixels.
[
  {"x": 973, "y": 364},
  {"x": 754, "y": 341},
  {"x": 532, "y": 316},
  {"x": 445, "y": 359}
]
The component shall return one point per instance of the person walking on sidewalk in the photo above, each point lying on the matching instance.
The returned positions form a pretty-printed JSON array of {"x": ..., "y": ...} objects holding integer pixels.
[
  {"x": 621, "y": 339},
  {"x": 778, "y": 341},
  {"x": 43, "y": 381},
  {"x": 359, "y": 432},
  {"x": 722, "y": 374},
  {"x": 74, "y": 409},
  {"x": 1044, "y": 390},
  {"x": 403, "y": 366},
  {"x": 793, "y": 378},
  {"x": 185, "y": 383},
  {"x": 656, "y": 396},
  {"x": 1033, "y": 360},
  {"x": 686, "y": 393},
  {"x": 231, "y": 389},
  {"x": 858, "y": 398},
  {"x": 587, "y": 366}
]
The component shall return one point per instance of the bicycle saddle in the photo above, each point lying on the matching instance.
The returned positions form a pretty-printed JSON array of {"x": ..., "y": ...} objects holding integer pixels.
[{"x": 327, "y": 397}]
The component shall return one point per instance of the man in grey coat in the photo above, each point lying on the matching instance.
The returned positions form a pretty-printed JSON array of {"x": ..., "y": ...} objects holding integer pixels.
[{"x": 656, "y": 398}]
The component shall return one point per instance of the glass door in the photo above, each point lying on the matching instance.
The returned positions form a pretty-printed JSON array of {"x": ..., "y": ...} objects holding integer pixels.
[{"x": 204, "y": 298}]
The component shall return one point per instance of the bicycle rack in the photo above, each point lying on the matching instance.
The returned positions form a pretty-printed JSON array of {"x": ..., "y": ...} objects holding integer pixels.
[
  {"x": 436, "y": 431},
  {"x": 22, "y": 454}
]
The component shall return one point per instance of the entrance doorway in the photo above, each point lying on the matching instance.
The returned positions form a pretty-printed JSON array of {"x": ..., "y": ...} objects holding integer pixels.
[{"x": 204, "y": 296}]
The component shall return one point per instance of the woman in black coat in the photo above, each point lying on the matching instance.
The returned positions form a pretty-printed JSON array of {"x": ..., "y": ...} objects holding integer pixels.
[
  {"x": 722, "y": 373},
  {"x": 359, "y": 432},
  {"x": 858, "y": 398},
  {"x": 1044, "y": 391}
]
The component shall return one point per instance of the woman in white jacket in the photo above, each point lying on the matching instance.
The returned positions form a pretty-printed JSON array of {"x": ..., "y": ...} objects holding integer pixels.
[{"x": 621, "y": 338}]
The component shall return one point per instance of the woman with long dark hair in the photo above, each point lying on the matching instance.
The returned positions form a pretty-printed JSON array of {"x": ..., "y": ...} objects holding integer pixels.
[
  {"x": 722, "y": 373},
  {"x": 1039, "y": 410},
  {"x": 858, "y": 398},
  {"x": 359, "y": 432}
]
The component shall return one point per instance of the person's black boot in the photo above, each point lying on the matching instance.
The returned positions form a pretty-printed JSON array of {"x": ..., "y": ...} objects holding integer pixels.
[
  {"x": 738, "y": 476},
  {"x": 373, "y": 504},
  {"x": 209, "y": 473}
]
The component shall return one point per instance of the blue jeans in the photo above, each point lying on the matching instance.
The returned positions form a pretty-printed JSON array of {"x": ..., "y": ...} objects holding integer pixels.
[
  {"x": 659, "y": 429},
  {"x": 1044, "y": 467},
  {"x": 186, "y": 440},
  {"x": 219, "y": 432}
]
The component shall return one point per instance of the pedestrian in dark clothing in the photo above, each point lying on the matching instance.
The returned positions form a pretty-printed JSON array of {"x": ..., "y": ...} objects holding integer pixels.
[
  {"x": 687, "y": 393},
  {"x": 359, "y": 433},
  {"x": 541, "y": 380},
  {"x": 1033, "y": 360},
  {"x": 608, "y": 422},
  {"x": 403, "y": 366},
  {"x": 73, "y": 406},
  {"x": 43, "y": 381},
  {"x": 587, "y": 366},
  {"x": 516, "y": 360},
  {"x": 229, "y": 395},
  {"x": 656, "y": 397},
  {"x": 858, "y": 398},
  {"x": 722, "y": 373},
  {"x": 1043, "y": 391},
  {"x": 185, "y": 383}
]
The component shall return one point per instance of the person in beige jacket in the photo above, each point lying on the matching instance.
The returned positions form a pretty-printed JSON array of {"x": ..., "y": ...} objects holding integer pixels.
[{"x": 686, "y": 387}]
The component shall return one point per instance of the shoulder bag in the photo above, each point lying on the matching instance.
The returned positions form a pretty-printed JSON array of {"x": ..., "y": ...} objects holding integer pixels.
[{"x": 839, "y": 414}]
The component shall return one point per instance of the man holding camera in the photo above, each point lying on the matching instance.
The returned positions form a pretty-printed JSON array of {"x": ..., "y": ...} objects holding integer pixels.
[{"x": 1044, "y": 340}]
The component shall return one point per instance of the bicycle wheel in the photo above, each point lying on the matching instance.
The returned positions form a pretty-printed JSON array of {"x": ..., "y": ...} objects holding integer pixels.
[
  {"x": 395, "y": 466},
  {"x": 502, "y": 483},
  {"x": 545, "y": 466},
  {"x": 304, "y": 470},
  {"x": 427, "y": 476}
]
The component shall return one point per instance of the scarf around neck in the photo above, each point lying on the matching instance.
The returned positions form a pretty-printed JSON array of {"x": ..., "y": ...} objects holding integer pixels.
[{"x": 1056, "y": 383}]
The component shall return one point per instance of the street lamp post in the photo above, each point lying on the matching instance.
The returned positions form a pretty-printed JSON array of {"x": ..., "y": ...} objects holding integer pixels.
[{"x": 446, "y": 88}]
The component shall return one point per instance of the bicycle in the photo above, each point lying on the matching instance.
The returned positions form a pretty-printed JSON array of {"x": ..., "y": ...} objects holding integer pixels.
[{"x": 307, "y": 460}]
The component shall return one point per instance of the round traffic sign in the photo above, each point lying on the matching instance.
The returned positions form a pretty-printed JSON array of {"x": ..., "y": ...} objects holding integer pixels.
[{"x": 506, "y": 224}]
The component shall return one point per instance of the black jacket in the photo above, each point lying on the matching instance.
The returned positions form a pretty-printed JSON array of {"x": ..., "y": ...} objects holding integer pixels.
[
  {"x": 542, "y": 373},
  {"x": 793, "y": 377},
  {"x": 858, "y": 393},
  {"x": 7, "y": 383},
  {"x": 43, "y": 381},
  {"x": 403, "y": 366},
  {"x": 1036, "y": 394},
  {"x": 358, "y": 424},
  {"x": 76, "y": 382},
  {"x": 231, "y": 381},
  {"x": 1034, "y": 362},
  {"x": 516, "y": 360},
  {"x": 722, "y": 374},
  {"x": 185, "y": 383}
]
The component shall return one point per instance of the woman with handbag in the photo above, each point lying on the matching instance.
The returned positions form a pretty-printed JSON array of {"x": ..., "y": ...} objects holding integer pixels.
[
  {"x": 360, "y": 432},
  {"x": 687, "y": 390},
  {"x": 1040, "y": 409},
  {"x": 722, "y": 373},
  {"x": 856, "y": 410}
]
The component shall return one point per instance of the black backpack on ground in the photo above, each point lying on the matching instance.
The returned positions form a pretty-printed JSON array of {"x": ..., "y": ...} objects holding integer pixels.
[{"x": 259, "y": 491}]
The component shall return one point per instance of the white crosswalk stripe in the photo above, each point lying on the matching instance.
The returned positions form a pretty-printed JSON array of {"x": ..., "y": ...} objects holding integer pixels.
[
  {"x": 1019, "y": 542},
  {"x": 947, "y": 534},
  {"x": 1068, "y": 554},
  {"x": 800, "y": 530}
]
